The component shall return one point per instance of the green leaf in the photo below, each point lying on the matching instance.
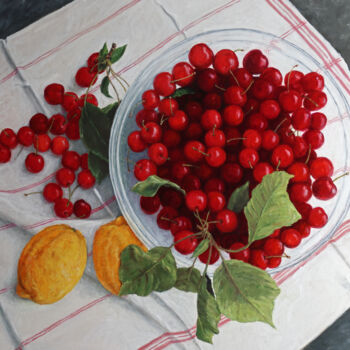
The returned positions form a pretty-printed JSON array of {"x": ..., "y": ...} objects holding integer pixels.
[
  {"x": 144, "y": 272},
  {"x": 98, "y": 167},
  {"x": 269, "y": 207},
  {"x": 150, "y": 186},
  {"x": 244, "y": 292},
  {"x": 188, "y": 279},
  {"x": 95, "y": 129},
  {"x": 239, "y": 198},
  {"x": 105, "y": 86},
  {"x": 182, "y": 92},
  {"x": 117, "y": 53},
  {"x": 101, "y": 63},
  {"x": 208, "y": 314},
  {"x": 201, "y": 248},
  {"x": 110, "y": 110}
]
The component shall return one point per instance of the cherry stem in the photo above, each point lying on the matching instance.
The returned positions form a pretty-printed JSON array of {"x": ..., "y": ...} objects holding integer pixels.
[
  {"x": 308, "y": 155},
  {"x": 93, "y": 81},
  {"x": 170, "y": 220},
  {"x": 250, "y": 164},
  {"x": 20, "y": 151},
  {"x": 248, "y": 87},
  {"x": 30, "y": 193},
  {"x": 219, "y": 87},
  {"x": 236, "y": 138},
  {"x": 279, "y": 125},
  {"x": 278, "y": 165},
  {"x": 311, "y": 100},
  {"x": 198, "y": 150},
  {"x": 234, "y": 77},
  {"x": 163, "y": 119},
  {"x": 182, "y": 239},
  {"x": 214, "y": 127},
  {"x": 238, "y": 50},
  {"x": 289, "y": 74},
  {"x": 340, "y": 176},
  {"x": 284, "y": 255},
  {"x": 183, "y": 78},
  {"x": 189, "y": 165}
]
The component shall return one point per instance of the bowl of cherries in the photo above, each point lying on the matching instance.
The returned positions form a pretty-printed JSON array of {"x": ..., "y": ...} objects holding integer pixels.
[{"x": 212, "y": 116}]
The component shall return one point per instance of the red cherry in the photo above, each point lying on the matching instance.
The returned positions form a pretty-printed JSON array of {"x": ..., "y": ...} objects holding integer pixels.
[
  {"x": 235, "y": 95},
  {"x": 150, "y": 99},
  {"x": 290, "y": 237},
  {"x": 207, "y": 79},
  {"x": 216, "y": 201},
  {"x": 136, "y": 142},
  {"x": 227, "y": 220},
  {"x": 84, "y": 77},
  {"x": 196, "y": 200},
  {"x": 5, "y": 154},
  {"x": 158, "y": 153},
  {"x": 39, "y": 123},
  {"x": 301, "y": 119},
  {"x": 231, "y": 173},
  {"x": 241, "y": 77},
  {"x": 272, "y": 75},
  {"x": 282, "y": 156},
  {"x": 59, "y": 145},
  {"x": 233, "y": 137},
  {"x": 25, "y": 136},
  {"x": 292, "y": 80},
  {"x": 52, "y": 192},
  {"x": 82, "y": 209},
  {"x": 233, "y": 115},
  {"x": 191, "y": 182},
  {"x": 73, "y": 131},
  {"x": 185, "y": 246},
  {"x": 63, "y": 208},
  {"x": 248, "y": 158},
  {"x": 213, "y": 258},
  {"x": 214, "y": 185},
  {"x": 65, "y": 177},
  {"x": 57, "y": 124},
  {"x": 193, "y": 131},
  {"x": 194, "y": 151},
  {"x": 171, "y": 138},
  {"x": 243, "y": 255},
  {"x": 86, "y": 179},
  {"x": 270, "y": 140},
  {"x": 324, "y": 188},
  {"x": 252, "y": 139},
  {"x": 300, "y": 147},
  {"x": 258, "y": 259},
  {"x": 312, "y": 81},
  {"x": 151, "y": 132},
  {"x": 273, "y": 247},
  {"x": 215, "y": 138},
  {"x": 255, "y": 62},
  {"x": 315, "y": 100},
  {"x": 74, "y": 114},
  {"x": 273, "y": 262},
  {"x": 318, "y": 121},
  {"x": 89, "y": 99},
  {"x": 300, "y": 192},
  {"x": 262, "y": 89},
  {"x": 84, "y": 160},
  {"x": 183, "y": 73},
  {"x": 144, "y": 168},
  {"x": 8, "y": 138},
  {"x": 262, "y": 169},
  {"x": 290, "y": 100},
  {"x": 170, "y": 197},
  {"x": 201, "y": 56},
  {"x": 71, "y": 160},
  {"x": 314, "y": 138},
  {"x": 300, "y": 171},
  {"x": 225, "y": 61},
  {"x": 163, "y": 84},
  {"x": 211, "y": 118},
  {"x": 181, "y": 223},
  {"x": 303, "y": 228},
  {"x": 216, "y": 157},
  {"x": 92, "y": 62},
  {"x": 317, "y": 217},
  {"x": 53, "y": 94},
  {"x": 257, "y": 121},
  {"x": 42, "y": 142},
  {"x": 321, "y": 167},
  {"x": 194, "y": 110},
  {"x": 304, "y": 209},
  {"x": 270, "y": 109},
  {"x": 165, "y": 216},
  {"x": 178, "y": 121},
  {"x": 70, "y": 101},
  {"x": 150, "y": 205},
  {"x": 144, "y": 116},
  {"x": 34, "y": 162}
]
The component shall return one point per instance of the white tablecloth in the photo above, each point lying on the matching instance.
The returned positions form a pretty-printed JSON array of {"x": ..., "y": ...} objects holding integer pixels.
[{"x": 313, "y": 294}]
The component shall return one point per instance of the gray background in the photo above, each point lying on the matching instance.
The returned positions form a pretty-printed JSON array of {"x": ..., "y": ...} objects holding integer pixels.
[{"x": 330, "y": 17}]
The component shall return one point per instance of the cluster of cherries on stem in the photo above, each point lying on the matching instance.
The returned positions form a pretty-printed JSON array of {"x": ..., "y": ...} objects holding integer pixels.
[
  {"x": 62, "y": 129},
  {"x": 240, "y": 124}
]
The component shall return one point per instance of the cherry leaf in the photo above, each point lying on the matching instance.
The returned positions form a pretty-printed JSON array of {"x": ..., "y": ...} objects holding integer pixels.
[
  {"x": 98, "y": 167},
  {"x": 269, "y": 207},
  {"x": 239, "y": 198},
  {"x": 105, "y": 86},
  {"x": 244, "y": 292},
  {"x": 150, "y": 186},
  {"x": 201, "y": 248},
  {"x": 208, "y": 314},
  {"x": 182, "y": 92},
  {"x": 144, "y": 272},
  {"x": 188, "y": 279},
  {"x": 101, "y": 62},
  {"x": 117, "y": 53}
]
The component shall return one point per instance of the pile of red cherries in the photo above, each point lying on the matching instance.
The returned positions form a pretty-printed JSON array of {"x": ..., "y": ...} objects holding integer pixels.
[
  {"x": 238, "y": 124},
  {"x": 55, "y": 133}
]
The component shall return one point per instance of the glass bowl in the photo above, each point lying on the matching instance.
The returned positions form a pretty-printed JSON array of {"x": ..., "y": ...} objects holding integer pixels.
[{"x": 283, "y": 55}]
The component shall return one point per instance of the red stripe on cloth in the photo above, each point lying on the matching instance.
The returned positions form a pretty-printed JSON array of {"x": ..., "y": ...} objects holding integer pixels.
[
  {"x": 105, "y": 204},
  {"x": 61, "y": 321},
  {"x": 4, "y": 290},
  {"x": 311, "y": 44},
  {"x": 7, "y": 226},
  {"x": 28, "y": 187},
  {"x": 320, "y": 42},
  {"x": 70, "y": 40}
]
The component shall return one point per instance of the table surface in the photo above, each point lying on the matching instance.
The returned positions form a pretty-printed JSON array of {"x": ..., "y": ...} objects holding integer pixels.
[{"x": 331, "y": 18}]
